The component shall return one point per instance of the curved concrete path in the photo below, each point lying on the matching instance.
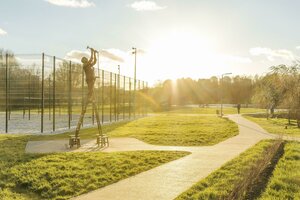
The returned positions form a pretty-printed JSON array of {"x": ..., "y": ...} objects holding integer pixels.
[{"x": 169, "y": 180}]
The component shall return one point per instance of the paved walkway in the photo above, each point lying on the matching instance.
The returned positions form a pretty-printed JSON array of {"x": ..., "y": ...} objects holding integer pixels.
[{"x": 167, "y": 181}]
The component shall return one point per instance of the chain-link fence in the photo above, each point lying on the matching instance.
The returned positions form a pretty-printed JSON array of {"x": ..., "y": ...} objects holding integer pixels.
[{"x": 43, "y": 94}]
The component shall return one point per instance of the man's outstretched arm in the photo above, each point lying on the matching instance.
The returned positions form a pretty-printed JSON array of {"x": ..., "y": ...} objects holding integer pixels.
[
  {"x": 92, "y": 57},
  {"x": 95, "y": 58}
]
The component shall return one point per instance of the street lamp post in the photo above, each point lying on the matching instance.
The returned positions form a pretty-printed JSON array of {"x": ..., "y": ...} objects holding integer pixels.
[
  {"x": 134, "y": 51},
  {"x": 222, "y": 92}
]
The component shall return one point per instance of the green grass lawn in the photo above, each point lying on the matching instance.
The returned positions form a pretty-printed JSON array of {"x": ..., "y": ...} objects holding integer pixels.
[
  {"x": 178, "y": 130},
  {"x": 64, "y": 175},
  {"x": 220, "y": 183},
  {"x": 276, "y": 126},
  {"x": 164, "y": 129},
  {"x": 285, "y": 182},
  {"x": 226, "y": 110}
]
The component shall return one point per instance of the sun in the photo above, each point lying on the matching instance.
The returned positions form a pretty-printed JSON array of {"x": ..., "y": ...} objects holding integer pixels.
[
  {"x": 182, "y": 48},
  {"x": 180, "y": 52}
]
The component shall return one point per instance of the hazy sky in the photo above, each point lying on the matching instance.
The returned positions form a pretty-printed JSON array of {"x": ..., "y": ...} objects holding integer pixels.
[{"x": 191, "y": 38}]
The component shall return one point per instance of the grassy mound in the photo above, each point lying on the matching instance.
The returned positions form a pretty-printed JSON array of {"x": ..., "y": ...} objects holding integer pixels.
[
  {"x": 178, "y": 130},
  {"x": 61, "y": 176}
]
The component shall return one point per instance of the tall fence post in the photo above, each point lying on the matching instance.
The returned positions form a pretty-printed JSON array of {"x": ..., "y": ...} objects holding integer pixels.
[
  {"x": 98, "y": 93},
  {"x": 129, "y": 103},
  {"x": 53, "y": 95},
  {"x": 146, "y": 99},
  {"x": 93, "y": 108},
  {"x": 115, "y": 99},
  {"x": 29, "y": 97},
  {"x": 82, "y": 93},
  {"x": 6, "y": 93},
  {"x": 49, "y": 97},
  {"x": 102, "y": 98},
  {"x": 139, "y": 98},
  {"x": 24, "y": 102},
  {"x": 42, "y": 94},
  {"x": 134, "y": 98},
  {"x": 9, "y": 97},
  {"x": 124, "y": 89},
  {"x": 110, "y": 96},
  {"x": 70, "y": 93},
  {"x": 143, "y": 99},
  {"x": 118, "y": 102}
]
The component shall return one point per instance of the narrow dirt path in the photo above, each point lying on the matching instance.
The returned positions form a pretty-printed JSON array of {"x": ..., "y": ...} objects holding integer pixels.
[{"x": 167, "y": 181}]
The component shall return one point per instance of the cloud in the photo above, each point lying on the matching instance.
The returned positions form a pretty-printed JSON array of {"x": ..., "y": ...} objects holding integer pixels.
[
  {"x": 76, "y": 55},
  {"x": 146, "y": 6},
  {"x": 72, "y": 3},
  {"x": 273, "y": 54},
  {"x": 2, "y": 32},
  {"x": 111, "y": 56},
  {"x": 298, "y": 47},
  {"x": 237, "y": 59}
]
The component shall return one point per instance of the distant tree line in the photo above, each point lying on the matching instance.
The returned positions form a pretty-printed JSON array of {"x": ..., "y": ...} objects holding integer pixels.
[
  {"x": 279, "y": 88},
  {"x": 233, "y": 90}
]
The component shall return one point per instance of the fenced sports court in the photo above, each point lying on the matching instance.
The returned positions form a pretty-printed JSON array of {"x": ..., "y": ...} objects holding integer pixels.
[{"x": 40, "y": 93}]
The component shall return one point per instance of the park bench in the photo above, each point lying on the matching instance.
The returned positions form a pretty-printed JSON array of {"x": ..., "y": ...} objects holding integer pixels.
[
  {"x": 102, "y": 140},
  {"x": 73, "y": 140}
]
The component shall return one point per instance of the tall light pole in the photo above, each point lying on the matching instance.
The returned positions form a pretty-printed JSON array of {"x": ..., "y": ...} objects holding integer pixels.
[
  {"x": 134, "y": 51},
  {"x": 222, "y": 92}
]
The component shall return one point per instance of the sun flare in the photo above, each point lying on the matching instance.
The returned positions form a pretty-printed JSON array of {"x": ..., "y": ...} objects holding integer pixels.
[
  {"x": 176, "y": 50},
  {"x": 181, "y": 45}
]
